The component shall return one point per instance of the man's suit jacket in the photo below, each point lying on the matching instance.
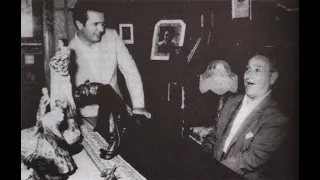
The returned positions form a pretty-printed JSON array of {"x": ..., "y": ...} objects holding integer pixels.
[{"x": 258, "y": 137}]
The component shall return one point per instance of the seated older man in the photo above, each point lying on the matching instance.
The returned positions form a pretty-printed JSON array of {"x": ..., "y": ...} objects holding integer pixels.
[{"x": 251, "y": 127}]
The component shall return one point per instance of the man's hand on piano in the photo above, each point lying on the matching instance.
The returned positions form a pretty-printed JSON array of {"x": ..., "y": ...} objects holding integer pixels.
[{"x": 141, "y": 111}]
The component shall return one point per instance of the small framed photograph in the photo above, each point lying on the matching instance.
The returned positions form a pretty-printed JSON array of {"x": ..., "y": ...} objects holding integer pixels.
[
  {"x": 241, "y": 9},
  {"x": 29, "y": 59},
  {"x": 126, "y": 33},
  {"x": 167, "y": 35}
]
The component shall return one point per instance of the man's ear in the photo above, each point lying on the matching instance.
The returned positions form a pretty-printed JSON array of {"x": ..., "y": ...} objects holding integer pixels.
[
  {"x": 79, "y": 25},
  {"x": 273, "y": 77}
]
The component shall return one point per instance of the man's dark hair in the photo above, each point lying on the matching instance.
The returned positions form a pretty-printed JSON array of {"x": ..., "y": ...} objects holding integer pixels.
[{"x": 83, "y": 6}]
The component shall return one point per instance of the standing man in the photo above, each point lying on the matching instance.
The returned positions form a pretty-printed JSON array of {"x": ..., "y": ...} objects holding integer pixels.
[
  {"x": 98, "y": 52},
  {"x": 251, "y": 127}
]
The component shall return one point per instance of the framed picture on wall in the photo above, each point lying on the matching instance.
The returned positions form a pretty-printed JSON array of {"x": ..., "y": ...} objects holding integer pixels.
[
  {"x": 167, "y": 35},
  {"x": 241, "y": 9},
  {"x": 29, "y": 59},
  {"x": 31, "y": 21},
  {"x": 126, "y": 33}
]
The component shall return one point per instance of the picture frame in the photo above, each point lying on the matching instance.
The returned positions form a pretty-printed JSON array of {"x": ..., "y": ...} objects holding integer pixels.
[
  {"x": 31, "y": 21},
  {"x": 31, "y": 56},
  {"x": 29, "y": 59},
  {"x": 126, "y": 33},
  {"x": 241, "y": 9},
  {"x": 167, "y": 35}
]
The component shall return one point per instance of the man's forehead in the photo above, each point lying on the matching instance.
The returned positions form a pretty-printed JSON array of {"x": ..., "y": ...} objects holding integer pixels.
[
  {"x": 259, "y": 62},
  {"x": 95, "y": 16}
]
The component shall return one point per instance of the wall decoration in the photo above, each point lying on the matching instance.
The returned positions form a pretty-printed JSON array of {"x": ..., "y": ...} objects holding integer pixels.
[
  {"x": 26, "y": 19},
  {"x": 31, "y": 21},
  {"x": 241, "y": 9},
  {"x": 126, "y": 33},
  {"x": 28, "y": 59},
  {"x": 167, "y": 35}
]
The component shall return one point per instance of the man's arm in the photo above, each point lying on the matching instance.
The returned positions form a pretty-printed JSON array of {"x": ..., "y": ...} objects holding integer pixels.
[
  {"x": 132, "y": 77},
  {"x": 265, "y": 142},
  {"x": 130, "y": 72},
  {"x": 211, "y": 138}
]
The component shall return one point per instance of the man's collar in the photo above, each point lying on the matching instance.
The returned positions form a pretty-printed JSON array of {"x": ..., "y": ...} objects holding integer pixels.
[
  {"x": 81, "y": 43},
  {"x": 247, "y": 100}
]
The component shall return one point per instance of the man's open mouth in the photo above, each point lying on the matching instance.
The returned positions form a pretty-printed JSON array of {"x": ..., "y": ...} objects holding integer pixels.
[{"x": 249, "y": 83}]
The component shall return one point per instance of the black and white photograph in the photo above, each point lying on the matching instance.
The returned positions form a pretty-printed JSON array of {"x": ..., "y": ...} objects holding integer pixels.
[
  {"x": 26, "y": 19},
  {"x": 241, "y": 8},
  {"x": 126, "y": 33},
  {"x": 159, "y": 90},
  {"x": 28, "y": 59},
  {"x": 167, "y": 35}
]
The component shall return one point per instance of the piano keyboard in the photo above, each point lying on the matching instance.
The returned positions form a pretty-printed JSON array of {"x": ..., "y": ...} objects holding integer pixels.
[{"x": 92, "y": 142}]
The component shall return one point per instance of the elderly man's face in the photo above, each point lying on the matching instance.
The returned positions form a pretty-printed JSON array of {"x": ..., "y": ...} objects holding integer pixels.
[{"x": 258, "y": 77}]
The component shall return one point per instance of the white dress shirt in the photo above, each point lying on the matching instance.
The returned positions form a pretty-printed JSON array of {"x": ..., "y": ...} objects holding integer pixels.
[{"x": 246, "y": 108}]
